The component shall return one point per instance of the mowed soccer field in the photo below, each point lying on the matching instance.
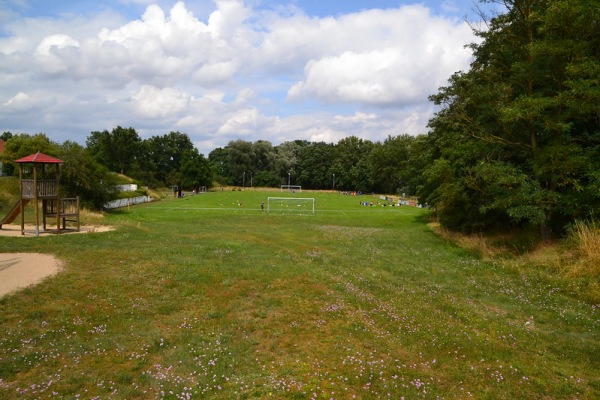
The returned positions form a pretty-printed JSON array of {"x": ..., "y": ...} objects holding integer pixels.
[{"x": 209, "y": 296}]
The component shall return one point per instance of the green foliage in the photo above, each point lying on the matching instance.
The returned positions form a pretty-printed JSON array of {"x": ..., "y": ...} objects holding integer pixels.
[
  {"x": 351, "y": 166},
  {"x": 82, "y": 176},
  {"x": 6, "y": 135},
  {"x": 9, "y": 193},
  {"x": 393, "y": 166},
  {"x": 315, "y": 166},
  {"x": 195, "y": 171},
  {"x": 118, "y": 150},
  {"x": 23, "y": 145},
  {"x": 527, "y": 114}
]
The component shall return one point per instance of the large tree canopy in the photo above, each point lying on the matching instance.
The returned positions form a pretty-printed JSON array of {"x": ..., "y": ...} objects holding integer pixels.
[{"x": 519, "y": 132}]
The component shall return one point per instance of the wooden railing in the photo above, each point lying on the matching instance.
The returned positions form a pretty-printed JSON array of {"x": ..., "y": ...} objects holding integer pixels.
[
  {"x": 66, "y": 207},
  {"x": 45, "y": 188},
  {"x": 63, "y": 211}
]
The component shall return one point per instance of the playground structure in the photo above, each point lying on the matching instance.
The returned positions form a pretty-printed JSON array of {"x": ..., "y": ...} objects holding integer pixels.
[{"x": 38, "y": 182}]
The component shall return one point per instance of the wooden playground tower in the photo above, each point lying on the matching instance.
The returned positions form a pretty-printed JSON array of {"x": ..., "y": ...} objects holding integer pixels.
[{"x": 41, "y": 185}]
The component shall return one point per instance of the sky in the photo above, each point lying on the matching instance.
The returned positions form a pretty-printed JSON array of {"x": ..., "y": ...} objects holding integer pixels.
[{"x": 222, "y": 70}]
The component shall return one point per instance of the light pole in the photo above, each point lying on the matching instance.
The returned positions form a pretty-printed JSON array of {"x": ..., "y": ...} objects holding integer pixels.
[
  {"x": 244, "y": 179},
  {"x": 333, "y": 181},
  {"x": 289, "y": 179},
  {"x": 250, "y": 179}
]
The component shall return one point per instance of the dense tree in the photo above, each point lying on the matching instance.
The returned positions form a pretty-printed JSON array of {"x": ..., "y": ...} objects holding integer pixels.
[
  {"x": 6, "y": 135},
  {"x": 388, "y": 161},
  {"x": 286, "y": 161},
  {"x": 522, "y": 114},
  {"x": 218, "y": 163},
  {"x": 239, "y": 161},
  {"x": 82, "y": 176},
  {"x": 351, "y": 165},
  {"x": 262, "y": 171},
  {"x": 166, "y": 154},
  {"x": 315, "y": 166},
  {"x": 118, "y": 150},
  {"x": 195, "y": 171},
  {"x": 411, "y": 177},
  {"x": 22, "y": 145}
]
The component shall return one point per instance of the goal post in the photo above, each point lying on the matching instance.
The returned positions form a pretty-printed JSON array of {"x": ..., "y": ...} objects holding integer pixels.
[
  {"x": 291, "y": 188},
  {"x": 290, "y": 205}
]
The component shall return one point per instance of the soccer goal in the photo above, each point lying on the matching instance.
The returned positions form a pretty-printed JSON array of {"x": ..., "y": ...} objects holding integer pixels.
[
  {"x": 291, "y": 188},
  {"x": 290, "y": 205}
]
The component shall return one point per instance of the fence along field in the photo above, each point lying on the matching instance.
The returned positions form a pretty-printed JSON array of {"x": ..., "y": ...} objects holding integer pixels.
[{"x": 208, "y": 296}]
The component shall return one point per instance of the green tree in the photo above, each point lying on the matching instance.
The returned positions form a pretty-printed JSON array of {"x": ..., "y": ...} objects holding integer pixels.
[
  {"x": 315, "y": 166},
  {"x": 351, "y": 164},
  {"x": 218, "y": 163},
  {"x": 22, "y": 145},
  {"x": 387, "y": 163},
  {"x": 523, "y": 110},
  {"x": 263, "y": 164},
  {"x": 81, "y": 175},
  {"x": 118, "y": 150},
  {"x": 239, "y": 161},
  {"x": 6, "y": 135},
  {"x": 195, "y": 171},
  {"x": 287, "y": 160},
  {"x": 166, "y": 154}
]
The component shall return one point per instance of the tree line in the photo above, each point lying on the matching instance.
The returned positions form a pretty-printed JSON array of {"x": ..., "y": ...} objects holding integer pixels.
[
  {"x": 353, "y": 164},
  {"x": 171, "y": 160},
  {"x": 91, "y": 171},
  {"x": 515, "y": 143}
]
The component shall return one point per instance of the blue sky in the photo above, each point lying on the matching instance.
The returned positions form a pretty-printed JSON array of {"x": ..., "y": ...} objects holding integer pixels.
[{"x": 228, "y": 69}]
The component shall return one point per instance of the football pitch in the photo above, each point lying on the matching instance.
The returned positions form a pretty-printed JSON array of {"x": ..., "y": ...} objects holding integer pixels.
[{"x": 210, "y": 296}]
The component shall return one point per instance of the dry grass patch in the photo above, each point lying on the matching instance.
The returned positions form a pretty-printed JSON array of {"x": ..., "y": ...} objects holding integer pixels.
[
  {"x": 486, "y": 247},
  {"x": 90, "y": 216},
  {"x": 573, "y": 262}
]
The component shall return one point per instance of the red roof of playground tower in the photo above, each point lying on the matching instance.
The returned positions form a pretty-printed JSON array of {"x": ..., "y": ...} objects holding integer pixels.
[{"x": 39, "y": 158}]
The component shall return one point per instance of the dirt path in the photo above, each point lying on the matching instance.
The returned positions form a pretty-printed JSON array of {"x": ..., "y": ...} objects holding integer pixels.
[
  {"x": 15, "y": 230},
  {"x": 19, "y": 270}
]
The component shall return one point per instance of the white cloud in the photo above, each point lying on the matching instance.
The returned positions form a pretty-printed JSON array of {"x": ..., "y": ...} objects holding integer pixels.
[
  {"x": 378, "y": 77},
  {"x": 56, "y": 53},
  {"x": 245, "y": 122},
  {"x": 19, "y": 102},
  {"x": 151, "y": 102},
  {"x": 368, "y": 73},
  {"x": 214, "y": 74},
  {"x": 414, "y": 54}
]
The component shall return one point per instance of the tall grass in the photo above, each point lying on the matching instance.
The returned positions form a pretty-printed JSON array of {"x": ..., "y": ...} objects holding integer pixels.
[
  {"x": 586, "y": 235},
  {"x": 210, "y": 297}
]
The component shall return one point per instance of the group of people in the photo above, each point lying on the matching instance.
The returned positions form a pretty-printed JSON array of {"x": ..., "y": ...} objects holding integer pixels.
[{"x": 371, "y": 204}]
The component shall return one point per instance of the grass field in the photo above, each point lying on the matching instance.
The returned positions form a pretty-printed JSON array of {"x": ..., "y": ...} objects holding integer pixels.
[{"x": 209, "y": 297}]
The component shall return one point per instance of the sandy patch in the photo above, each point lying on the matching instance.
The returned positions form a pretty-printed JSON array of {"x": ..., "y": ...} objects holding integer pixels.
[
  {"x": 19, "y": 270},
  {"x": 15, "y": 230}
]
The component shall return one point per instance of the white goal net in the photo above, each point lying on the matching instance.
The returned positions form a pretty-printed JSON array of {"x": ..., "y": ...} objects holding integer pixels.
[
  {"x": 290, "y": 205},
  {"x": 292, "y": 188}
]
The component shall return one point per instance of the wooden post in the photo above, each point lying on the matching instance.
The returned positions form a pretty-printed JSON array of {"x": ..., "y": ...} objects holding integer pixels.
[
  {"x": 35, "y": 200},
  {"x": 58, "y": 202},
  {"x": 21, "y": 201},
  {"x": 78, "y": 225}
]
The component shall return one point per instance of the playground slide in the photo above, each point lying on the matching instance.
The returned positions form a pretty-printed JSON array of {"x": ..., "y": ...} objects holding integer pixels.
[{"x": 10, "y": 217}]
